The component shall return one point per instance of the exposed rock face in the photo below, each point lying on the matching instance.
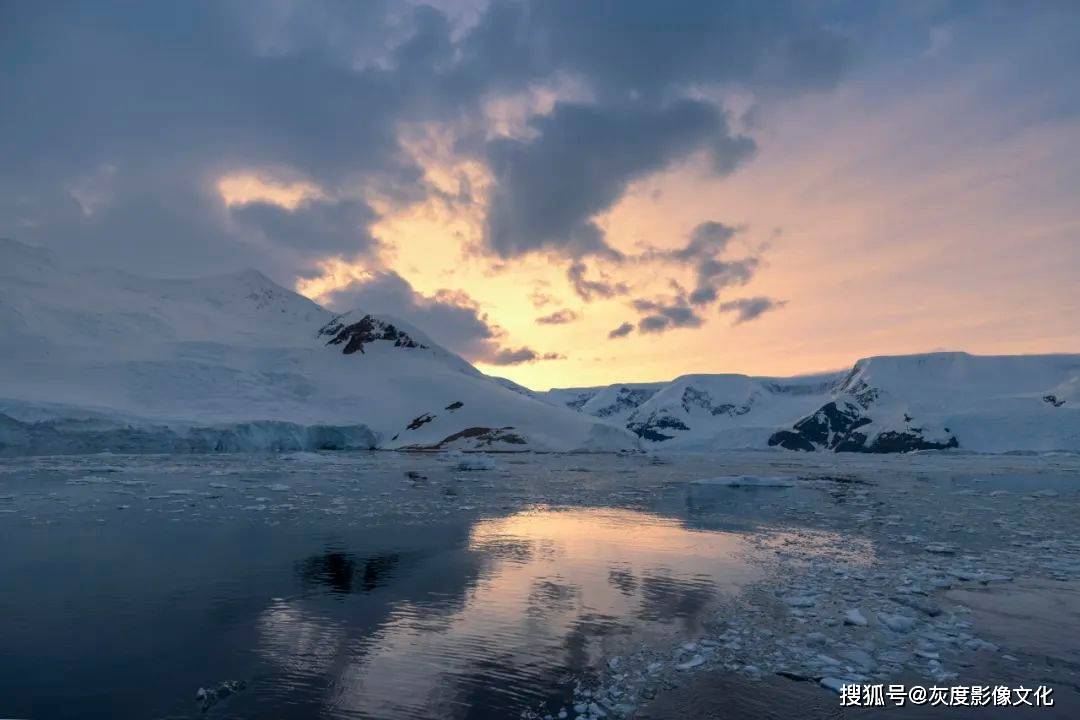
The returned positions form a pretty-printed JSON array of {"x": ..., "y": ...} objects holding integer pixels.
[
  {"x": 831, "y": 426},
  {"x": 835, "y": 427},
  {"x": 579, "y": 400},
  {"x": 893, "y": 441},
  {"x": 692, "y": 397},
  {"x": 476, "y": 438},
  {"x": 365, "y": 330},
  {"x": 650, "y": 427},
  {"x": 627, "y": 399},
  {"x": 420, "y": 420}
]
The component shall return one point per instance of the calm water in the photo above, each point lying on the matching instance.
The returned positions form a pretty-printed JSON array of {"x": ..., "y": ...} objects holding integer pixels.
[{"x": 341, "y": 587}]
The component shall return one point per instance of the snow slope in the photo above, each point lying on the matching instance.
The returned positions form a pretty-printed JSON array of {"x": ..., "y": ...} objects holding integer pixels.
[
  {"x": 883, "y": 404},
  {"x": 983, "y": 403},
  {"x": 95, "y": 359}
]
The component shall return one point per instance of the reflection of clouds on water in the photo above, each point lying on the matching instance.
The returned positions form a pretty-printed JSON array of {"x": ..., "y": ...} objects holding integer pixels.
[
  {"x": 623, "y": 579},
  {"x": 551, "y": 596},
  {"x": 666, "y": 597},
  {"x": 302, "y": 644},
  {"x": 547, "y": 595}
]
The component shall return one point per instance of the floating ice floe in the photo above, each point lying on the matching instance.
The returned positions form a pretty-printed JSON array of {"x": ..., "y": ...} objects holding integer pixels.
[
  {"x": 854, "y": 617},
  {"x": 940, "y": 549},
  {"x": 897, "y": 623},
  {"x": 474, "y": 463},
  {"x": 693, "y": 662},
  {"x": 776, "y": 481}
]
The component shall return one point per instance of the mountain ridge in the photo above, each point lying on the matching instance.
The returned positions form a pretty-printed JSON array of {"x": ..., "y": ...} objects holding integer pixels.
[
  {"x": 101, "y": 359},
  {"x": 236, "y": 361},
  {"x": 883, "y": 403}
]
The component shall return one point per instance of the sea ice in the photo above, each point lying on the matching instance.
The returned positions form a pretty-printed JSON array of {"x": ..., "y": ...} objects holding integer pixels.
[{"x": 778, "y": 481}]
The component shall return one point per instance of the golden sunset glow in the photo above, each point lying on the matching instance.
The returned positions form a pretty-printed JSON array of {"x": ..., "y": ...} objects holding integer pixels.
[
  {"x": 887, "y": 183},
  {"x": 919, "y": 258},
  {"x": 244, "y": 188}
]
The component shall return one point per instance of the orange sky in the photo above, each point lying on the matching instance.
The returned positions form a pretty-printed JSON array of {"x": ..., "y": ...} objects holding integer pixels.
[{"x": 878, "y": 245}]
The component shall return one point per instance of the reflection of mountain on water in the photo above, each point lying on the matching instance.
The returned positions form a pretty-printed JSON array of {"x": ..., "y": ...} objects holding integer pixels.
[
  {"x": 344, "y": 573},
  {"x": 665, "y": 597},
  {"x": 519, "y": 603}
]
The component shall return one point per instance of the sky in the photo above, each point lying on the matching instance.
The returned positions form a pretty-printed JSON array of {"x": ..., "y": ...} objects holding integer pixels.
[{"x": 573, "y": 193}]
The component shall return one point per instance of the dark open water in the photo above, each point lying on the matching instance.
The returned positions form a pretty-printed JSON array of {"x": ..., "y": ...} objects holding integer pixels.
[{"x": 334, "y": 588}]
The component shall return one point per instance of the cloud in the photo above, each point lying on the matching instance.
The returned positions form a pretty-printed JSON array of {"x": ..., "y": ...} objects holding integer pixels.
[
  {"x": 622, "y": 331},
  {"x": 548, "y": 189},
  {"x": 172, "y": 99},
  {"x": 559, "y": 317},
  {"x": 587, "y": 289},
  {"x": 519, "y": 356},
  {"x": 751, "y": 308},
  {"x": 660, "y": 317},
  {"x": 707, "y": 241},
  {"x": 451, "y": 318},
  {"x": 539, "y": 298},
  {"x": 318, "y": 227}
]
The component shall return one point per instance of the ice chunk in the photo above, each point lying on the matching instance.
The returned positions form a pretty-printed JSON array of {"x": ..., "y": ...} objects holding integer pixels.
[
  {"x": 693, "y": 662},
  {"x": 854, "y": 617},
  {"x": 475, "y": 462},
  {"x": 897, "y": 623},
  {"x": 833, "y": 683},
  {"x": 775, "y": 481}
]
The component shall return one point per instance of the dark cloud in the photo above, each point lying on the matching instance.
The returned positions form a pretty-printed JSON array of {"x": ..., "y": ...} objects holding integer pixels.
[
  {"x": 751, "y": 308},
  {"x": 451, "y": 318},
  {"x": 707, "y": 241},
  {"x": 522, "y": 355},
  {"x": 660, "y": 316},
  {"x": 169, "y": 97},
  {"x": 588, "y": 289},
  {"x": 316, "y": 227},
  {"x": 559, "y": 317},
  {"x": 714, "y": 275},
  {"x": 648, "y": 49},
  {"x": 548, "y": 188},
  {"x": 622, "y": 331}
]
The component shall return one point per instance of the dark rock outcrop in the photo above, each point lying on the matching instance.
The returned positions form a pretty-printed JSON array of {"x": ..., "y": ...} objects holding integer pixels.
[
  {"x": 627, "y": 398},
  {"x": 649, "y": 429},
  {"x": 836, "y": 427},
  {"x": 366, "y": 330},
  {"x": 481, "y": 437}
]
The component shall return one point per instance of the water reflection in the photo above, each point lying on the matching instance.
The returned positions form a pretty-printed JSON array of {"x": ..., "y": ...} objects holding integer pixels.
[
  {"x": 555, "y": 591},
  {"x": 344, "y": 573}
]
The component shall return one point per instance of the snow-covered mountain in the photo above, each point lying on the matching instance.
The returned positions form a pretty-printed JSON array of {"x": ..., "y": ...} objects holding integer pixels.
[
  {"x": 883, "y": 404},
  {"x": 94, "y": 359},
  {"x": 98, "y": 359}
]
